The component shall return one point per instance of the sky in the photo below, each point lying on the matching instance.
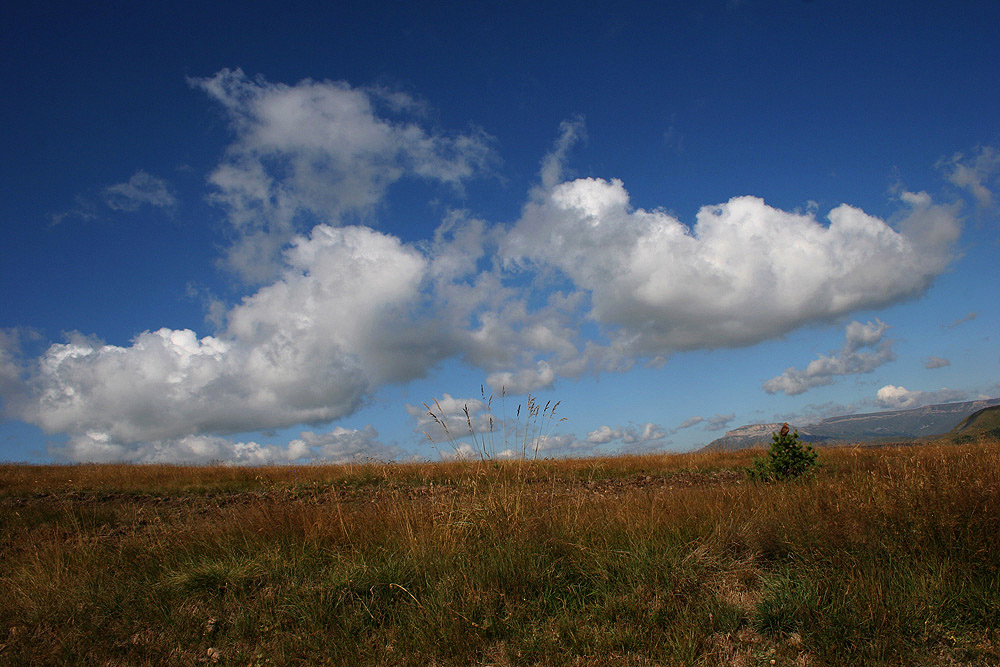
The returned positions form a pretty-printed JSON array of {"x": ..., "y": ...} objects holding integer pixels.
[{"x": 251, "y": 233}]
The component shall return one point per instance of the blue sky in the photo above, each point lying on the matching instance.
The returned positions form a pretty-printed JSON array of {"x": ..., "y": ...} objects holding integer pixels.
[{"x": 247, "y": 233}]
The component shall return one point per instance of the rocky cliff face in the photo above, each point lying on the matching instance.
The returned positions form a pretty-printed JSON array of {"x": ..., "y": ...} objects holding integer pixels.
[{"x": 758, "y": 435}]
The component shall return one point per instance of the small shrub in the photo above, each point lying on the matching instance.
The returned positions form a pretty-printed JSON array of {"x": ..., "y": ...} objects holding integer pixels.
[{"x": 786, "y": 459}]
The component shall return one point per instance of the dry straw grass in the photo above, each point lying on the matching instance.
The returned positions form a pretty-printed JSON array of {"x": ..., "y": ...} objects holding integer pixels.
[{"x": 886, "y": 556}]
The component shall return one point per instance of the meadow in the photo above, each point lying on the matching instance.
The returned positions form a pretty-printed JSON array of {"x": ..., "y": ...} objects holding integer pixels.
[{"x": 883, "y": 556}]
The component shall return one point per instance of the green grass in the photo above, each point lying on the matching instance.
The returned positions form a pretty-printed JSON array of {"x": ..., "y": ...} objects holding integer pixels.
[
  {"x": 883, "y": 557},
  {"x": 984, "y": 423}
]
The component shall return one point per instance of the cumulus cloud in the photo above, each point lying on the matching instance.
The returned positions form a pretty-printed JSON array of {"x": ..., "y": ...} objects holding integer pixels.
[
  {"x": 634, "y": 437},
  {"x": 744, "y": 273},
  {"x": 581, "y": 283},
  {"x": 463, "y": 451},
  {"x": 348, "y": 314},
  {"x": 141, "y": 189},
  {"x": 340, "y": 445},
  {"x": 315, "y": 152},
  {"x": 477, "y": 427},
  {"x": 558, "y": 444},
  {"x": 524, "y": 380},
  {"x": 936, "y": 362},
  {"x": 649, "y": 437},
  {"x": 306, "y": 349},
  {"x": 449, "y": 418},
  {"x": 604, "y": 435},
  {"x": 647, "y": 433},
  {"x": 863, "y": 351},
  {"x": 719, "y": 422},
  {"x": 976, "y": 173},
  {"x": 100, "y": 447},
  {"x": 901, "y": 398}
]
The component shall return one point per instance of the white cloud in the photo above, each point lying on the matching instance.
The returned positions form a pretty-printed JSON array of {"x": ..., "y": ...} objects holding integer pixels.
[
  {"x": 449, "y": 419},
  {"x": 524, "y": 380},
  {"x": 476, "y": 427},
  {"x": 12, "y": 369},
  {"x": 351, "y": 309},
  {"x": 346, "y": 299},
  {"x": 141, "y": 188},
  {"x": 719, "y": 422},
  {"x": 901, "y": 398},
  {"x": 975, "y": 173},
  {"x": 100, "y": 447},
  {"x": 315, "y": 152},
  {"x": 851, "y": 359},
  {"x": 305, "y": 349},
  {"x": 571, "y": 132},
  {"x": 631, "y": 438},
  {"x": 745, "y": 272},
  {"x": 340, "y": 445},
  {"x": 558, "y": 445},
  {"x": 604, "y": 435},
  {"x": 463, "y": 451},
  {"x": 646, "y": 434},
  {"x": 645, "y": 438},
  {"x": 936, "y": 362}
]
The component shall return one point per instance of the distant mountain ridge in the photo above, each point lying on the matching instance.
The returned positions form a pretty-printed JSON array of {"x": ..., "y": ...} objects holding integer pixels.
[{"x": 922, "y": 422}]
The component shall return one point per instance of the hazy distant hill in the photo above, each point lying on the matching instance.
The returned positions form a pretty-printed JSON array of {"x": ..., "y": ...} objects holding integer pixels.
[{"x": 916, "y": 423}]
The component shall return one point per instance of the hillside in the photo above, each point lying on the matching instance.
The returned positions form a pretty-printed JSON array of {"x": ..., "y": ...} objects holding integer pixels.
[
  {"x": 927, "y": 421},
  {"x": 985, "y": 422}
]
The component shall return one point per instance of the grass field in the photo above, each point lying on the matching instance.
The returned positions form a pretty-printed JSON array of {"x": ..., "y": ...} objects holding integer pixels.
[{"x": 887, "y": 556}]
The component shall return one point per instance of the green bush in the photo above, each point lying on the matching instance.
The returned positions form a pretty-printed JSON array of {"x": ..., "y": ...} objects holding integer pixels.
[{"x": 787, "y": 458}]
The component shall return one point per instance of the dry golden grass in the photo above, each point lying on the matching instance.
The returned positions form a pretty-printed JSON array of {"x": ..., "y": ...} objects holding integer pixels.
[{"x": 886, "y": 556}]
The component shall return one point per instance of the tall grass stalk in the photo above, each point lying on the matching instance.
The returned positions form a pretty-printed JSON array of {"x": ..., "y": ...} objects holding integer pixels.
[{"x": 521, "y": 438}]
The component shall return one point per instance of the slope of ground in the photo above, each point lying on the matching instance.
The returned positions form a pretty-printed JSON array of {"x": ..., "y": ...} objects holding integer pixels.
[{"x": 985, "y": 423}]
